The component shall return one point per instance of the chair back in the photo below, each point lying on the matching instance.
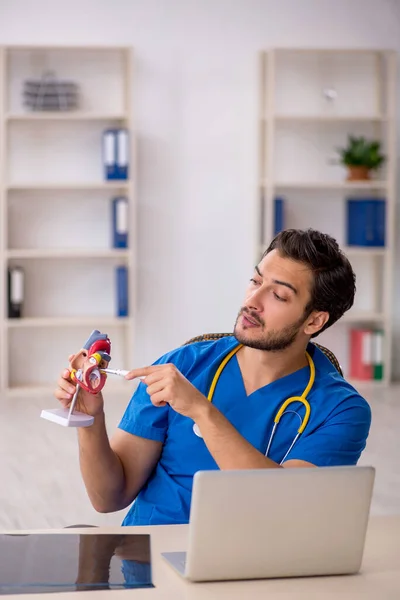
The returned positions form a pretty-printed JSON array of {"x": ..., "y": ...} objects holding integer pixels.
[{"x": 216, "y": 336}]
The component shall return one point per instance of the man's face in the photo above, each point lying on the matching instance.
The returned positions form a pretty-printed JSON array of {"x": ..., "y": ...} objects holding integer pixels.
[{"x": 273, "y": 314}]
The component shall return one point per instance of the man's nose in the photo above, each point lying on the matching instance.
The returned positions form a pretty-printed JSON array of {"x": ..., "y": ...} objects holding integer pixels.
[{"x": 255, "y": 301}]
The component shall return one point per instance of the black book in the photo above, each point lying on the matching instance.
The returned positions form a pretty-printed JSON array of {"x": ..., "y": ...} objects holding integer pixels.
[{"x": 15, "y": 292}]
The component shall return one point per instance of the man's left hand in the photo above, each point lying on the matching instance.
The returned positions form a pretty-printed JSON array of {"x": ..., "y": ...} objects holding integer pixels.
[{"x": 167, "y": 385}]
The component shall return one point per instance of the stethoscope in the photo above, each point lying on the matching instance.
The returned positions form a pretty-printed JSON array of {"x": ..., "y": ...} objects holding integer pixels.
[{"x": 282, "y": 411}]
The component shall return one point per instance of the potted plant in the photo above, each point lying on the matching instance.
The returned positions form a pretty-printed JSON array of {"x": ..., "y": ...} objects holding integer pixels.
[{"x": 361, "y": 156}]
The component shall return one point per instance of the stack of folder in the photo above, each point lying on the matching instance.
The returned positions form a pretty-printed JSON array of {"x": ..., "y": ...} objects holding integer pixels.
[
  {"x": 366, "y": 222},
  {"x": 120, "y": 222},
  {"x": 279, "y": 215},
  {"x": 16, "y": 280},
  {"x": 119, "y": 240},
  {"x": 116, "y": 154},
  {"x": 122, "y": 291},
  {"x": 366, "y": 354}
]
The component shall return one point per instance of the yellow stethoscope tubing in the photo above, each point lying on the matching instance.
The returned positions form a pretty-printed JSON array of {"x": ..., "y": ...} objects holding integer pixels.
[
  {"x": 302, "y": 398},
  {"x": 219, "y": 371},
  {"x": 281, "y": 411}
]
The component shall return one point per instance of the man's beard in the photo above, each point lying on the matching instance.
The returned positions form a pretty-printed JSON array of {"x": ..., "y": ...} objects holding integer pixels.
[{"x": 273, "y": 341}]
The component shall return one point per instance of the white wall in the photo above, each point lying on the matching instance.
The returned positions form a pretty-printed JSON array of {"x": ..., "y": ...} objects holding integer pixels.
[{"x": 195, "y": 101}]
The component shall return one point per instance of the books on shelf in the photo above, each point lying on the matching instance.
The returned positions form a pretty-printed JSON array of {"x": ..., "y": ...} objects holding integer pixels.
[
  {"x": 120, "y": 223},
  {"x": 279, "y": 215},
  {"x": 366, "y": 222},
  {"x": 116, "y": 154},
  {"x": 15, "y": 297},
  {"x": 366, "y": 354},
  {"x": 122, "y": 291}
]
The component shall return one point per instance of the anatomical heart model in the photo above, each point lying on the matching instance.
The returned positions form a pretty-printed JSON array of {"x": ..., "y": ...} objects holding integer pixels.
[
  {"x": 88, "y": 370},
  {"x": 87, "y": 365}
]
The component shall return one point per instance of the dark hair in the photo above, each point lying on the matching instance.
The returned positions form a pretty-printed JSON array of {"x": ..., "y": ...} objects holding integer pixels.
[{"x": 334, "y": 279}]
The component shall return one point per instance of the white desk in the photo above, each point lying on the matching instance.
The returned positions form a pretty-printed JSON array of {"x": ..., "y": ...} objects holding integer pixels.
[{"x": 379, "y": 578}]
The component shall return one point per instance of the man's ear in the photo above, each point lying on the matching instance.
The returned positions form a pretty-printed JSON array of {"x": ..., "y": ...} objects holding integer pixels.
[{"x": 315, "y": 322}]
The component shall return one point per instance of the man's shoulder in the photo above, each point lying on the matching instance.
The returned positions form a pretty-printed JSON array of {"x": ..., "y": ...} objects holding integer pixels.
[
  {"x": 332, "y": 385},
  {"x": 339, "y": 396}
]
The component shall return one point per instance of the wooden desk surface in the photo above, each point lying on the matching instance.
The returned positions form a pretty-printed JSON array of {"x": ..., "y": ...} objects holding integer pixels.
[{"x": 379, "y": 578}]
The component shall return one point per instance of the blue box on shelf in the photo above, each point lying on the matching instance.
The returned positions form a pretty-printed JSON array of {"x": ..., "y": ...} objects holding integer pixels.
[
  {"x": 279, "y": 216},
  {"x": 366, "y": 222},
  {"x": 115, "y": 150},
  {"x": 122, "y": 300},
  {"x": 119, "y": 214}
]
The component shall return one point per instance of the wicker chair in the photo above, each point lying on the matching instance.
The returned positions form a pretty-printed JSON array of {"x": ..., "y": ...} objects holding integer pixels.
[{"x": 216, "y": 336}]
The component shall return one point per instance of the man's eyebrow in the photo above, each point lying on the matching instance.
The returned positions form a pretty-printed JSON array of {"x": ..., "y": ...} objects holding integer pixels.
[
  {"x": 285, "y": 283},
  {"x": 277, "y": 281}
]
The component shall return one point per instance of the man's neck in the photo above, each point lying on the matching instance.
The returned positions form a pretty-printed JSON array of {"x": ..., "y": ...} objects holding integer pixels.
[{"x": 260, "y": 367}]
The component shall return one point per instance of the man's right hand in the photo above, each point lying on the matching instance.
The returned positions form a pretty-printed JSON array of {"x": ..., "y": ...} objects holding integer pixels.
[{"x": 90, "y": 404}]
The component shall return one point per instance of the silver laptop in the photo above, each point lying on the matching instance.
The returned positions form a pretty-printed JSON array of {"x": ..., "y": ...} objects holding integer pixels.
[{"x": 276, "y": 523}]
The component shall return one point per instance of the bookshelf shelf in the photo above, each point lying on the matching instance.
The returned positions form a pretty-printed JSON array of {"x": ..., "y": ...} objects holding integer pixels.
[
  {"x": 360, "y": 316},
  {"x": 34, "y": 389},
  {"x": 330, "y": 185},
  {"x": 326, "y": 119},
  {"x": 69, "y": 116},
  {"x": 74, "y": 186},
  {"x": 351, "y": 251},
  {"x": 73, "y": 253},
  {"x": 29, "y": 390},
  {"x": 364, "y": 385},
  {"x": 91, "y": 322},
  {"x": 310, "y": 100},
  {"x": 56, "y": 214},
  {"x": 78, "y": 50}
]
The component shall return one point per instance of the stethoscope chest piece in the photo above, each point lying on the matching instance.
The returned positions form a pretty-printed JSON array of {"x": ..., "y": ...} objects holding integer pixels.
[{"x": 197, "y": 431}]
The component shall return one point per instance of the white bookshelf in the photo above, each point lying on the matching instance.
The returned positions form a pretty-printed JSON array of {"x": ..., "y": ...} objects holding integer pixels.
[
  {"x": 55, "y": 213},
  {"x": 42, "y": 186},
  {"x": 65, "y": 253},
  {"x": 299, "y": 131},
  {"x": 330, "y": 118},
  {"x": 329, "y": 185},
  {"x": 96, "y": 322},
  {"x": 74, "y": 116}
]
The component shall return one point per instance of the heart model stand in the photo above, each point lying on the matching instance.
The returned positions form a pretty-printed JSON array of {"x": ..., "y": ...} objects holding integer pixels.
[
  {"x": 66, "y": 416},
  {"x": 97, "y": 349}
]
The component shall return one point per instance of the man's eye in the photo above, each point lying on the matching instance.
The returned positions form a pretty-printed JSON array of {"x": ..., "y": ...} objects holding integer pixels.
[
  {"x": 279, "y": 297},
  {"x": 254, "y": 281}
]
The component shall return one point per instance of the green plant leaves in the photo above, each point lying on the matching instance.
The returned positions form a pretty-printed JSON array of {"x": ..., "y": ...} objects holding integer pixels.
[{"x": 361, "y": 153}]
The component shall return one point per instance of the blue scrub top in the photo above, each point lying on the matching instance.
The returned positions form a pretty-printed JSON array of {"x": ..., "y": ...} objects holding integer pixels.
[{"x": 336, "y": 433}]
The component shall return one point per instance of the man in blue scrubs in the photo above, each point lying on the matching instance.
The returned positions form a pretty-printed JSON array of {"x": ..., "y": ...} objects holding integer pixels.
[{"x": 302, "y": 285}]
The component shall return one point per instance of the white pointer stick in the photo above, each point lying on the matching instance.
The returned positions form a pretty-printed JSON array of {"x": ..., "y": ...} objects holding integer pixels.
[{"x": 120, "y": 372}]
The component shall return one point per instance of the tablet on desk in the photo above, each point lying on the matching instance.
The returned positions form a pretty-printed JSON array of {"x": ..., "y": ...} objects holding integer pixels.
[{"x": 41, "y": 563}]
